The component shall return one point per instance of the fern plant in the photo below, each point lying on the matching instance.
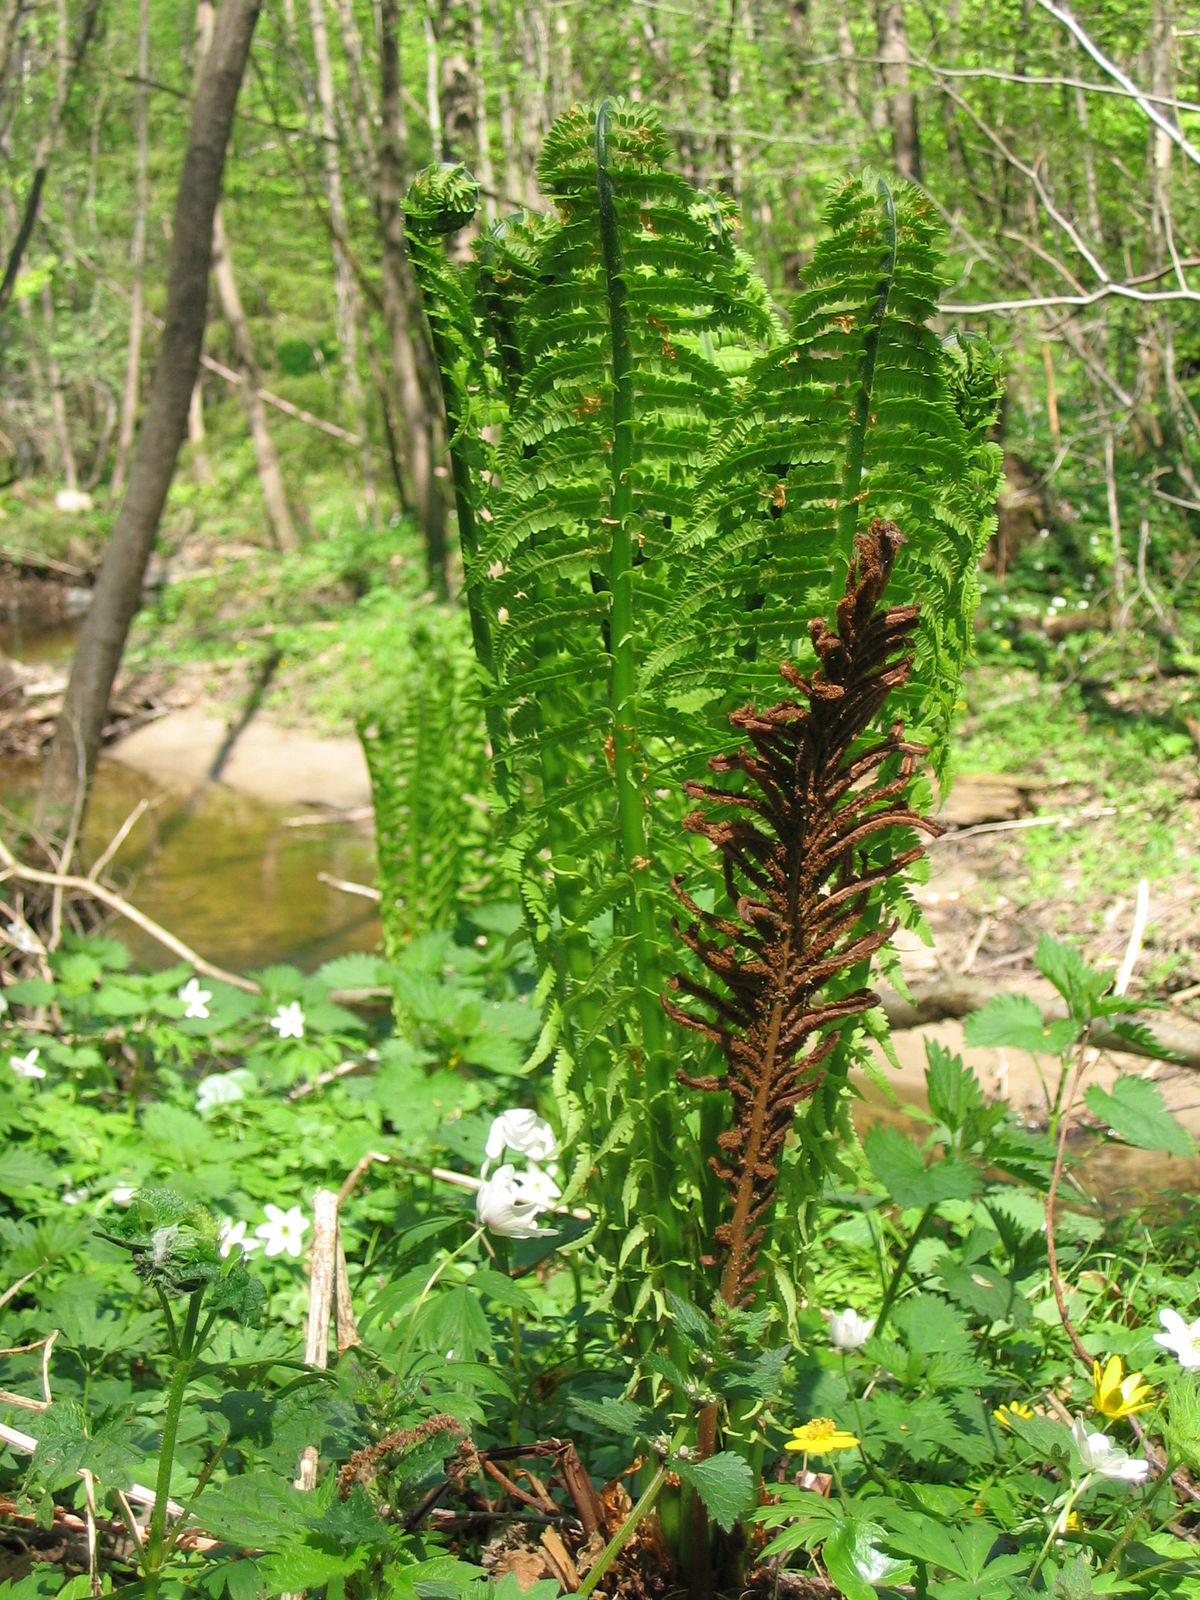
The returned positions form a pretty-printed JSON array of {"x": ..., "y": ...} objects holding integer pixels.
[
  {"x": 658, "y": 482},
  {"x": 427, "y": 758}
]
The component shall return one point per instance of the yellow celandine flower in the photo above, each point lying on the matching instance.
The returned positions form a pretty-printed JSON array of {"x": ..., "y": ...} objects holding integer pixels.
[
  {"x": 1005, "y": 1414},
  {"x": 1115, "y": 1394},
  {"x": 820, "y": 1437}
]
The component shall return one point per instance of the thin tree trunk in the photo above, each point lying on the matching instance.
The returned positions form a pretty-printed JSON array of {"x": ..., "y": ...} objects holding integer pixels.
[
  {"x": 900, "y": 99},
  {"x": 70, "y": 66},
  {"x": 415, "y": 407},
  {"x": 270, "y": 476},
  {"x": 344, "y": 287},
  {"x": 118, "y": 590},
  {"x": 58, "y": 406},
  {"x": 433, "y": 100},
  {"x": 485, "y": 171},
  {"x": 458, "y": 109},
  {"x": 137, "y": 257},
  {"x": 201, "y": 466}
]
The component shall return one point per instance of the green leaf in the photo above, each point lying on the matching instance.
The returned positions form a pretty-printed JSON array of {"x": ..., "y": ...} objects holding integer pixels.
[
  {"x": 615, "y": 1415},
  {"x": 856, "y": 1563},
  {"x": 23, "y": 1167},
  {"x": 724, "y": 1482},
  {"x": 899, "y": 1166},
  {"x": 254, "y": 1511},
  {"x": 1013, "y": 1021},
  {"x": 691, "y": 1322},
  {"x": 356, "y": 970},
  {"x": 1080, "y": 985},
  {"x": 1137, "y": 1114},
  {"x": 952, "y": 1087}
]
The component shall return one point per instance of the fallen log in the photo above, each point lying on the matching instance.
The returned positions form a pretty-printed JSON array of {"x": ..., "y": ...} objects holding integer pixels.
[{"x": 953, "y": 998}]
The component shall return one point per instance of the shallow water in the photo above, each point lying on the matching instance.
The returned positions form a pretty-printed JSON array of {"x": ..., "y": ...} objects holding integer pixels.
[{"x": 223, "y": 872}]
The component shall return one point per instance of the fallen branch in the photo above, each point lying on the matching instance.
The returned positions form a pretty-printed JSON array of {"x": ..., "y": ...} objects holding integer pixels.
[
  {"x": 10, "y": 867},
  {"x": 956, "y": 997}
]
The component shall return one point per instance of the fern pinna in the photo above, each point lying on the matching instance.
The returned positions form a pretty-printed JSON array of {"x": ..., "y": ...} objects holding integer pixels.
[
  {"x": 657, "y": 479},
  {"x": 800, "y": 862}
]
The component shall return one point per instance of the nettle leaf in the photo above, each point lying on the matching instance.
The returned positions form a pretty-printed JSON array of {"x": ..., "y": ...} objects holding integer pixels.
[
  {"x": 256, "y": 1512},
  {"x": 614, "y": 1415},
  {"x": 23, "y": 1167},
  {"x": 357, "y": 969},
  {"x": 899, "y": 1166},
  {"x": 856, "y": 1562},
  {"x": 1081, "y": 986},
  {"x": 1137, "y": 1114},
  {"x": 952, "y": 1088},
  {"x": 1015, "y": 1022},
  {"x": 724, "y": 1482},
  {"x": 691, "y": 1322}
]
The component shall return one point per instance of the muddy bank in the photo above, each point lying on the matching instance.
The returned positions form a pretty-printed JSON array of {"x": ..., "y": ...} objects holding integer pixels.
[{"x": 279, "y": 765}]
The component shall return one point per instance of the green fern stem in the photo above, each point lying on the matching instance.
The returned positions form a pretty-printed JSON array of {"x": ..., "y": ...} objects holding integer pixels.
[
  {"x": 468, "y": 532},
  {"x": 856, "y": 445},
  {"x": 631, "y": 806}
]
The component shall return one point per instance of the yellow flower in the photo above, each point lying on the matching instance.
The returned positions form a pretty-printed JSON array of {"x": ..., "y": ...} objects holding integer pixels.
[
  {"x": 1115, "y": 1395},
  {"x": 820, "y": 1437},
  {"x": 1005, "y": 1414}
]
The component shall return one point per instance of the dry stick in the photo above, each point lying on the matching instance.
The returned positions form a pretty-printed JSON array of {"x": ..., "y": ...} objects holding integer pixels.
[
  {"x": 347, "y": 887},
  {"x": 89, "y": 1491},
  {"x": 1086, "y": 1058},
  {"x": 320, "y": 1307},
  {"x": 10, "y": 867}
]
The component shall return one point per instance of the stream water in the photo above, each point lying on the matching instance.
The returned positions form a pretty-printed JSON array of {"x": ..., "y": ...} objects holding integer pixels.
[{"x": 226, "y": 873}]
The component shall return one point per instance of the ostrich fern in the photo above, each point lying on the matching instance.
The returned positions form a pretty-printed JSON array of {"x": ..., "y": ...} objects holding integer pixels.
[{"x": 659, "y": 481}]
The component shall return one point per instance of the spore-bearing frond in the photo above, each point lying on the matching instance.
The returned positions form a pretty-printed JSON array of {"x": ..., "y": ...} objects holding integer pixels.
[{"x": 800, "y": 868}]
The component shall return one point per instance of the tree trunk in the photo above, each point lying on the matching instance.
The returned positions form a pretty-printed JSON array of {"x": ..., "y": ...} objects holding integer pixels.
[
  {"x": 484, "y": 170},
  {"x": 416, "y": 408},
  {"x": 270, "y": 476},
  {"x": 137, "y": 257},
  {"x": 118, "y": 590},
  {"x": 58, "y": 406},
  {"x": 345, "y": 289},
  {"x": 201, "y": 466},
  {"x": 900, "y": 99},
  {"x": 70, "y": 66}
]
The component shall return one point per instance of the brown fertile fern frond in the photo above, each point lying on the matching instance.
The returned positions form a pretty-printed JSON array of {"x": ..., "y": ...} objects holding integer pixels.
[{"x": 800, "y": 880}]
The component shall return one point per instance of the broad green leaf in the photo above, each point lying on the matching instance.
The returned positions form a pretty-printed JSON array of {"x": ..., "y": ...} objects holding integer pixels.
[
  {"x": 1080, "y": 985},
  {"x": 899, "y": 1166},
  {"x": 724, "y": 1482},
  {"x": 254, "y": 1511},
  {"x": 952, "y": 1087},
  {"x": 856, "y": 1563},
  {"x": 1013, "y": 1021},
  {"x": 1137, "y": 1114}
]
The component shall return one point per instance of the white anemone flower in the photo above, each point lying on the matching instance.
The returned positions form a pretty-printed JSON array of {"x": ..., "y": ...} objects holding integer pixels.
[
  {"x": 123, "y": 1194},
  {"x": 283, "y": 1231},
  {"x": 3, "y": 1004},
  {"x": 219, "y": 1089},
  {"x": 510, "y": 1205},
  {"x": 234, "y": 1233},
  {"x": 849, "y": 1331},
  {"x": 1182, "y": 1339},
  {"x": 21, "y": 935},
  {"x": 195, "y": 999},
  {"x": 27, "y": 1066},
  {"x": 1100, "y": 1455},
  {"x": 72, "y": 1196},
  {"x": 288, "y": 1022},
  {"x": 523, "y": 1133}
]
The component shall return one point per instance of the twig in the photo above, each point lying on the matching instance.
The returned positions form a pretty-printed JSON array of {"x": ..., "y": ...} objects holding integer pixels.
[
  {"x": 322, "y": 1078},
  {"x": 327, "y": 819},
  {"x": 976, "y": 944},
  {"x": 10, "y": 867},
  {"x": 89, "y": 1491},
  {"x": 119, "y": 838},
  {"x": 346, "y": 887},
  {"x": 370, "y": 1159}
]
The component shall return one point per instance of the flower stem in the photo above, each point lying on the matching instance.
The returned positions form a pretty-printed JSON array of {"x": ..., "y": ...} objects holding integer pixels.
[
  {"x": 897, "y": 1278},
  {"x": 424, "y": 1295},
  {"x": 186, "y": 1351},
  {"x": 1059, "y": 1524}
]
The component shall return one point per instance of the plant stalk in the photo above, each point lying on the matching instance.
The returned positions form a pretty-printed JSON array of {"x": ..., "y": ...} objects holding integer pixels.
[{"x": 188, "y": 1349}]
